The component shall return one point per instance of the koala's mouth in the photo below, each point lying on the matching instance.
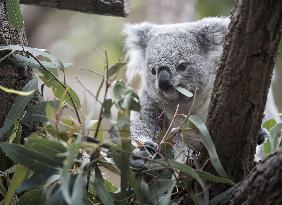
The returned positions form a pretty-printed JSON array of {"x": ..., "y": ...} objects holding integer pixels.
[{"x": 172, "y": 94}]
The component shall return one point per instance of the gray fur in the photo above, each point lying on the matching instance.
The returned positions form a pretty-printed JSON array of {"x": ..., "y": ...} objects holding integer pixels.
[{"x": 150, "y": 46}]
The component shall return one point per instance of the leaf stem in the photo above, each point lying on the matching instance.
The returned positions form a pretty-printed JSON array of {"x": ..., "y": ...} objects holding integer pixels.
[{"x": 62, "y": 84}]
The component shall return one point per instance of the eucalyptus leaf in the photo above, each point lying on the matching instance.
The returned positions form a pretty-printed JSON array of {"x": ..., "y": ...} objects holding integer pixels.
[
  {"x": 266, "y": 147},
  {"x": 212, "y": 178},
  {"x": 275, "y": 137},
  {"x": 220, "y": 197},
  {"x": 29, "y": 158},
  {"x": 107, "y": 105},
  {"x": 63, "y": 93},
  {"x": 187, "y": 170},
  {"x": 159, "y": 188},
  {"x": 79, "y": 188},
  {"x": 17, "y": 92},
  {"x": 136, "y": 186},
  {"x": 115, "y": 68},
  {"x": 71, "y": 154},
  {"x": 184, "y": 91},
  {"x": 37, "y": 113},
  {"x": 18, "y": 107},
  {"x": 36, "y": 180},
  {"x": 34, "y": 197},
  {"x": 200, "y": 126},
  {"x": 102, "y": 192},
  {"x": 19, "y": 176},
  {"x": 269, "y": 124}
]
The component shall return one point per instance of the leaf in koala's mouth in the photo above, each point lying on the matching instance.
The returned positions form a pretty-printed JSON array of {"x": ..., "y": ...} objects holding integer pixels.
[{"x": 184, "y": 91}]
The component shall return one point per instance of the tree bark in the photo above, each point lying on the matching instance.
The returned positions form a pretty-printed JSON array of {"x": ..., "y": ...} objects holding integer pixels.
[
  {"x": 10, "y": 75},
  {"x": 262, "y": 186},
  {"x": 242, "y": 82},
  {"x": 109, "y": 7}
]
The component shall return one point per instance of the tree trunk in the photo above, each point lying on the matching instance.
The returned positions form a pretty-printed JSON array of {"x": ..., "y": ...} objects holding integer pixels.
[
  {"x": 109, "y": 7},
  {"x": 10, "y": 75},
  {"x": 263, "y": 186},
  {"x": 242, "y": 82}
]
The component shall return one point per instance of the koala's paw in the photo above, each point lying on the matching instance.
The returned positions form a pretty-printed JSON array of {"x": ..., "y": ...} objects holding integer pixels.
[
  {"x": 148, "y": 150},
  {"x": 259, "y": 156},
  {"x": 263, "y": 134}
]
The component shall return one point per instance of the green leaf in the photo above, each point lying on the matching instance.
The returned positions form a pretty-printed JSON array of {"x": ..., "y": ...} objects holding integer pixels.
[
  {"x": 107, "y": 104},
  {"x": 18, "y": 107},
  {"x": 29, "y": 158},
  {"x": 19, "y": 176},
  {"x": 14, "y": 14},
  {"x": 275, "y": 137},
  {"x": 159, "y": 188},
  {"x": 184, "y": 91},
  {"x": 79, "y": 188},
  {"x": 102, "y": 192},
  {"x": 37, "y": 113},
  {"x": 12, "y": 91},
  {"x": 125, "y": 97},
  {"x": 219, "y": 198},
  {"x": 269, "y": 124},
  {"x": 110, "y": 186},
  {"x": 71, "y": 154},
  {"x": 58, "y": 89},
  {"x": 115, "y": 68},
  {"x": 109, "y": 166},
  {"x": 114, "y": 134},
  {"x": 208, "y": 143},
  {"x": 185, "y": 169},
  {"x": 48, "y": 148},
  {"x": 34, "y": 197},
  {"x": 212, "y": 178},
  {"x": 36, "y": 180},
  {"x": 165, "y": 199},
  {"x": 266, "y": 147},
  {"x": 135, "y": 185},
  {"x": 22, "y": 57}
]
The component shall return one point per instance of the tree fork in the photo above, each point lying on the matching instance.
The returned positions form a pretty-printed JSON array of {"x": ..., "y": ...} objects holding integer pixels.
[{"x": 242, "y": 82}]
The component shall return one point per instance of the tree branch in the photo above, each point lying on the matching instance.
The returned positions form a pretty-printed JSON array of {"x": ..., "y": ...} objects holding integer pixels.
[
  {"x": 262, "y": 186},
  {"x": 104, "y": 7},
  {"x": 242, "y": 82}
]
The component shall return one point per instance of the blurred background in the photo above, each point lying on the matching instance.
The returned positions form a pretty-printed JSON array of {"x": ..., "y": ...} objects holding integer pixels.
[{"x": 81, "y": 39}]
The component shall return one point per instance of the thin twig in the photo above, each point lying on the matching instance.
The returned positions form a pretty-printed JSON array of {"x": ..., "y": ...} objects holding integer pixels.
[
  {"x": 190, "y": 110},
  {"x": 7, "y": 55},
  {"x": 92, "y": 71},
  {"x": 105, "y": 95},
  {"x": 62, "y": 84},
  {"x": 89, "y": 92},
  {"x": 170, "y": 125}
]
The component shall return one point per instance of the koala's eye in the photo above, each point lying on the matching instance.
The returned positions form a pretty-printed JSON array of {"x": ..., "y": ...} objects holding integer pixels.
[
  {"x": 182, "y": 66},
  {"x": 153, "y": 71}
]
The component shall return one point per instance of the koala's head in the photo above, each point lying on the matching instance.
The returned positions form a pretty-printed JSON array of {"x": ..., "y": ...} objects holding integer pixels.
[{"x": 167, "y": 56}]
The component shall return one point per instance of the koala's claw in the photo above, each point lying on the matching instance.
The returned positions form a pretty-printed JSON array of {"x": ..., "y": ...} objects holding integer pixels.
[
  {"x": 142, "y": 153},
  {"x": 263, "y": 134}
]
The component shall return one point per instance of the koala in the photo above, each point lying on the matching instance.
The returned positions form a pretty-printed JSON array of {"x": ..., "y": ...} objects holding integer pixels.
[{"x": 165, "y": 57}]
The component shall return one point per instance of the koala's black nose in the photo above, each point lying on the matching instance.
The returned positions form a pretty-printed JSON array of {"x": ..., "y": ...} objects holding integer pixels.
[{"x": 164, "y": 78}]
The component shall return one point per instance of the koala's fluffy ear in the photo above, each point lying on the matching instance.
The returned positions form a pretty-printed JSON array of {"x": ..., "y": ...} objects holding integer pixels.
[
  {"x": 136, "y": 39},
  {"x": 211, "y": 31}
]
